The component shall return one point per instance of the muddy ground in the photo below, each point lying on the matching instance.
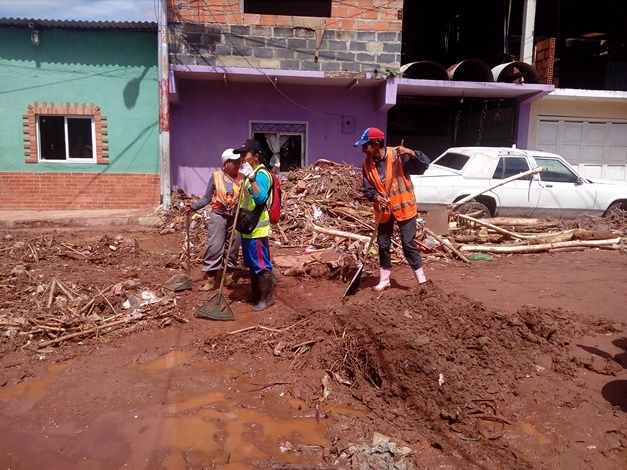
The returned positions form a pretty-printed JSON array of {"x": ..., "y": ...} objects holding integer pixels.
[{"x": 518, "y": 362}]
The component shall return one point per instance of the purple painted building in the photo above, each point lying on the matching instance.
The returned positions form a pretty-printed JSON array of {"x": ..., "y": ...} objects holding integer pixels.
[
  {"x": 316, "y": 117},
  {"x": 305, "y": 86}
]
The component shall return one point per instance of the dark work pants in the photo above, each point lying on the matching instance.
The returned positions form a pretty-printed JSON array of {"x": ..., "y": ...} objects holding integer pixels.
[{"x": 410, "y": 249}]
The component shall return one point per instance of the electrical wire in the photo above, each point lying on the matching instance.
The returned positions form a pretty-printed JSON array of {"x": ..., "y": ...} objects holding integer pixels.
[{"x": 272, "y": 82}]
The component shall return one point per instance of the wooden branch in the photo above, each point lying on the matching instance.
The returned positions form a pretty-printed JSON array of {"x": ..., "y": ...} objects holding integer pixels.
[
  {"x": 107, "y": 300},
  {"x": 494, "y": 227},
  {"x": 339, "y": 233},
  {"x": 51, "y": 295},
  {"x": 470, "y": 197},
  {"x": 254, "y": 327},
  {"x": 514, "y": 221},
  {"x": 80, "y": 333},
  {"x": 65, "y": 290},
  {"x": 448, "y": 246},
  {"x": 536, "y": 248},
  {"x": 306, "y": 343}
]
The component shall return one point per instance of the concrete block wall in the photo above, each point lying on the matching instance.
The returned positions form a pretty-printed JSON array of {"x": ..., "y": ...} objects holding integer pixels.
[{"x": 357, "y": 38}]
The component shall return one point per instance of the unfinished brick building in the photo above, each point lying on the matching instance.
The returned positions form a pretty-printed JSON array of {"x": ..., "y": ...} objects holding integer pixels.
[{"x": 329, "y": 36}]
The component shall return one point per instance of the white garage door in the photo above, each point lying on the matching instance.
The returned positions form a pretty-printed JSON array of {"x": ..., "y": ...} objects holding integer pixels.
[{"x": 596, "y": 148}]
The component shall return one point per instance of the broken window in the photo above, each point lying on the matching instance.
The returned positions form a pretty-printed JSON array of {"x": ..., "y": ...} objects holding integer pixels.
[
  {"x": 65, "y": 138},
  {"x": 320, "y": 8}
]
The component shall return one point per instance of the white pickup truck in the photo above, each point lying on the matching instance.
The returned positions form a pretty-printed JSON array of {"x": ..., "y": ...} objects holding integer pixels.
[{"x": 557, "y": 191}]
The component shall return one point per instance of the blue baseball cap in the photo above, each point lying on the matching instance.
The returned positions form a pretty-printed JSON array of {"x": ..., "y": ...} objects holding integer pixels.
[{"x": 368, "y": 134}]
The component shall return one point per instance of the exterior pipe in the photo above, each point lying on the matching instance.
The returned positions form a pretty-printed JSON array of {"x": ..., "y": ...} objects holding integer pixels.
[
  {"x": 164, "y": 107},
  {"x": 526, "y": 43}
]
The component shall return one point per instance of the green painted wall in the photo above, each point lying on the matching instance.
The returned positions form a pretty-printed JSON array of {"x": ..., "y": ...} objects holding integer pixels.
[{"x": 116, "y": 70}]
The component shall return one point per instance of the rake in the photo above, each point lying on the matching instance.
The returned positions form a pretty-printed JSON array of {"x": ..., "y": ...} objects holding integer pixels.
[{"x": 217, "y": 307}]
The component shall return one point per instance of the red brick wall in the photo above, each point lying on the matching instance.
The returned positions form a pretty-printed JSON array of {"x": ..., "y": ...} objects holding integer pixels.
[
  {"x": 40, "y": 191},
  {"x": 545, "y": 61},
  {"x": 356, "y": 15}
]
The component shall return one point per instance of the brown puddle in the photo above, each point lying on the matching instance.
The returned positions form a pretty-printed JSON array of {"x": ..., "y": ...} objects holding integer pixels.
[
  {"x": 531, "y": 430},
  {"x": 211, "y": 429},
  {"x": 27, "y": 394},
  {"x": 345, "y": 410},
  {"x": 167, "y": 361},
  {"x": 302, "y": 405}
]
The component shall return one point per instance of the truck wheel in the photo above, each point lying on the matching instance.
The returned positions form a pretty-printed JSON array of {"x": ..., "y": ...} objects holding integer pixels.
[
  {"x": 615, "y": 206},
  {"x": 474, "y": 207}
]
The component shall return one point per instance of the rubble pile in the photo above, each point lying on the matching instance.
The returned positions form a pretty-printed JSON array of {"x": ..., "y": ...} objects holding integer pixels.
[
  {"x": 519, "y": 235},
  {"x": 436, "y": 367},
  {"x": 41, "y": 311},
  {"x": 323, "y": 210},
  {"x": 326, "y": 195}
]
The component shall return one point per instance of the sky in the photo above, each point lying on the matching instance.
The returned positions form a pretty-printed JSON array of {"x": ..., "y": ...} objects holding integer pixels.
[{"x": 120, "y": 10}]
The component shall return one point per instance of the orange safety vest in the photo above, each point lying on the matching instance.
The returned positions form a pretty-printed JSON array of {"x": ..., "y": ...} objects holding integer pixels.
[
  {"x": 221, "y": 198},
  {"x": 401, "y": 194}
]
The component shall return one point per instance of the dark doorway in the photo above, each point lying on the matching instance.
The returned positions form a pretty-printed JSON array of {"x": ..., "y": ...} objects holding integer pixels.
[
  {"x": 434, "y": 124},
  {"x": 449, "y": 31}
]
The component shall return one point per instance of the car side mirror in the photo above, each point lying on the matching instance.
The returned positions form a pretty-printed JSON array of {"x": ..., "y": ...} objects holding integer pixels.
[{"x": 579, "y": 181}]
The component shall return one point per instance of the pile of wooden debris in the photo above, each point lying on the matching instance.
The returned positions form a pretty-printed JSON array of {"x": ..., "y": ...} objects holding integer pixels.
[
  {"x": 324, "y": 212},
  {"x": 40, "y": 311},
  {"x": 518, "y": 235}
]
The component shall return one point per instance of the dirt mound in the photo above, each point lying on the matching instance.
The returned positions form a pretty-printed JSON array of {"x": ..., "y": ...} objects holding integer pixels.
[{"x": 429, "y": 365}]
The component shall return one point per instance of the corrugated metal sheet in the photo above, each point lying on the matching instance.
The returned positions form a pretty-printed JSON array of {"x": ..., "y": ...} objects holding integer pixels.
[{"x": 79, "y": 24}]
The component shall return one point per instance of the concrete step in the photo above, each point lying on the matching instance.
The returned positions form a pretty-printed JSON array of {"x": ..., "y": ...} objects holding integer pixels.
[{"x": 80, "y": 218}]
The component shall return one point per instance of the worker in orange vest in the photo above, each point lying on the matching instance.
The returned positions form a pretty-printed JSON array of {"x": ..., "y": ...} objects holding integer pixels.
[
  {"x": 222, "y": 193},
  {"x": 385, "y": 184}
]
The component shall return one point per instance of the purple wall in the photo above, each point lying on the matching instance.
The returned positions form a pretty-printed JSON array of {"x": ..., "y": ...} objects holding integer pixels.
[{"x": 213, "y": 116}]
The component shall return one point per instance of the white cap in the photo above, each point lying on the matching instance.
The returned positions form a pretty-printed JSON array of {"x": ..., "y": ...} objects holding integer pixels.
[{"x": 228, "y": 154}]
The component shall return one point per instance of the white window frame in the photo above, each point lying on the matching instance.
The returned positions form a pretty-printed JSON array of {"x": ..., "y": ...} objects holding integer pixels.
[
  {"x": 67, "y": 147},
  {"x": 304, "y": 158}
]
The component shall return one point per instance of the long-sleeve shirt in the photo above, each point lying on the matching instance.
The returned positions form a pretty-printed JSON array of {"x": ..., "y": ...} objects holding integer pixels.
[
  {"x": 411, "y": 166},
  {"x": 264, "y": 185},
  {"x": 208, "y": 197}
]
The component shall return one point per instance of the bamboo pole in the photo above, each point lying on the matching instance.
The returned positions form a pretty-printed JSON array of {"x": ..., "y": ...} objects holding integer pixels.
[
  {"x": 470, "y": 197},
  {"x": 536, "y": 248}
]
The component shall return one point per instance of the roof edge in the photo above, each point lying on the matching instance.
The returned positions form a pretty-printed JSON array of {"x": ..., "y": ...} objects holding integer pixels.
[{"x": 79, "y": 24}]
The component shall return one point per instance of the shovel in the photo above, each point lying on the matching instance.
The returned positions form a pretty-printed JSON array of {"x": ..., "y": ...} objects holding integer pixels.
[
  {"x": 217, "y": 307},
  {"x": 180, "y": 282},
  {"x": 356, "y": 280}
]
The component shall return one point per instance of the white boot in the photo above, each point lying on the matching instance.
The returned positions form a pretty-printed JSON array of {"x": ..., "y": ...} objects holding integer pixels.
[
  {"x": 384, "y": 279},
  {"x": 420, "y": 276}
]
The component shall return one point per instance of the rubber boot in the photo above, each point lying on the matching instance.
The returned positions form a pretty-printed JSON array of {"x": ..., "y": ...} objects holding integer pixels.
[
  {"x": 211, "y": 279},
  {"x": 253, "y": 297},
  {"x": 420, "y": 276},
  {"x": 266, "y": 285},
  {"x": 384, "y": 279},
  {"x": 422, "y": 279}
]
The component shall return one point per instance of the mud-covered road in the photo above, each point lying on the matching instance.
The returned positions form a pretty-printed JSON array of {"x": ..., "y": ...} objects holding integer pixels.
[{"x": 519, "y": 362}]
